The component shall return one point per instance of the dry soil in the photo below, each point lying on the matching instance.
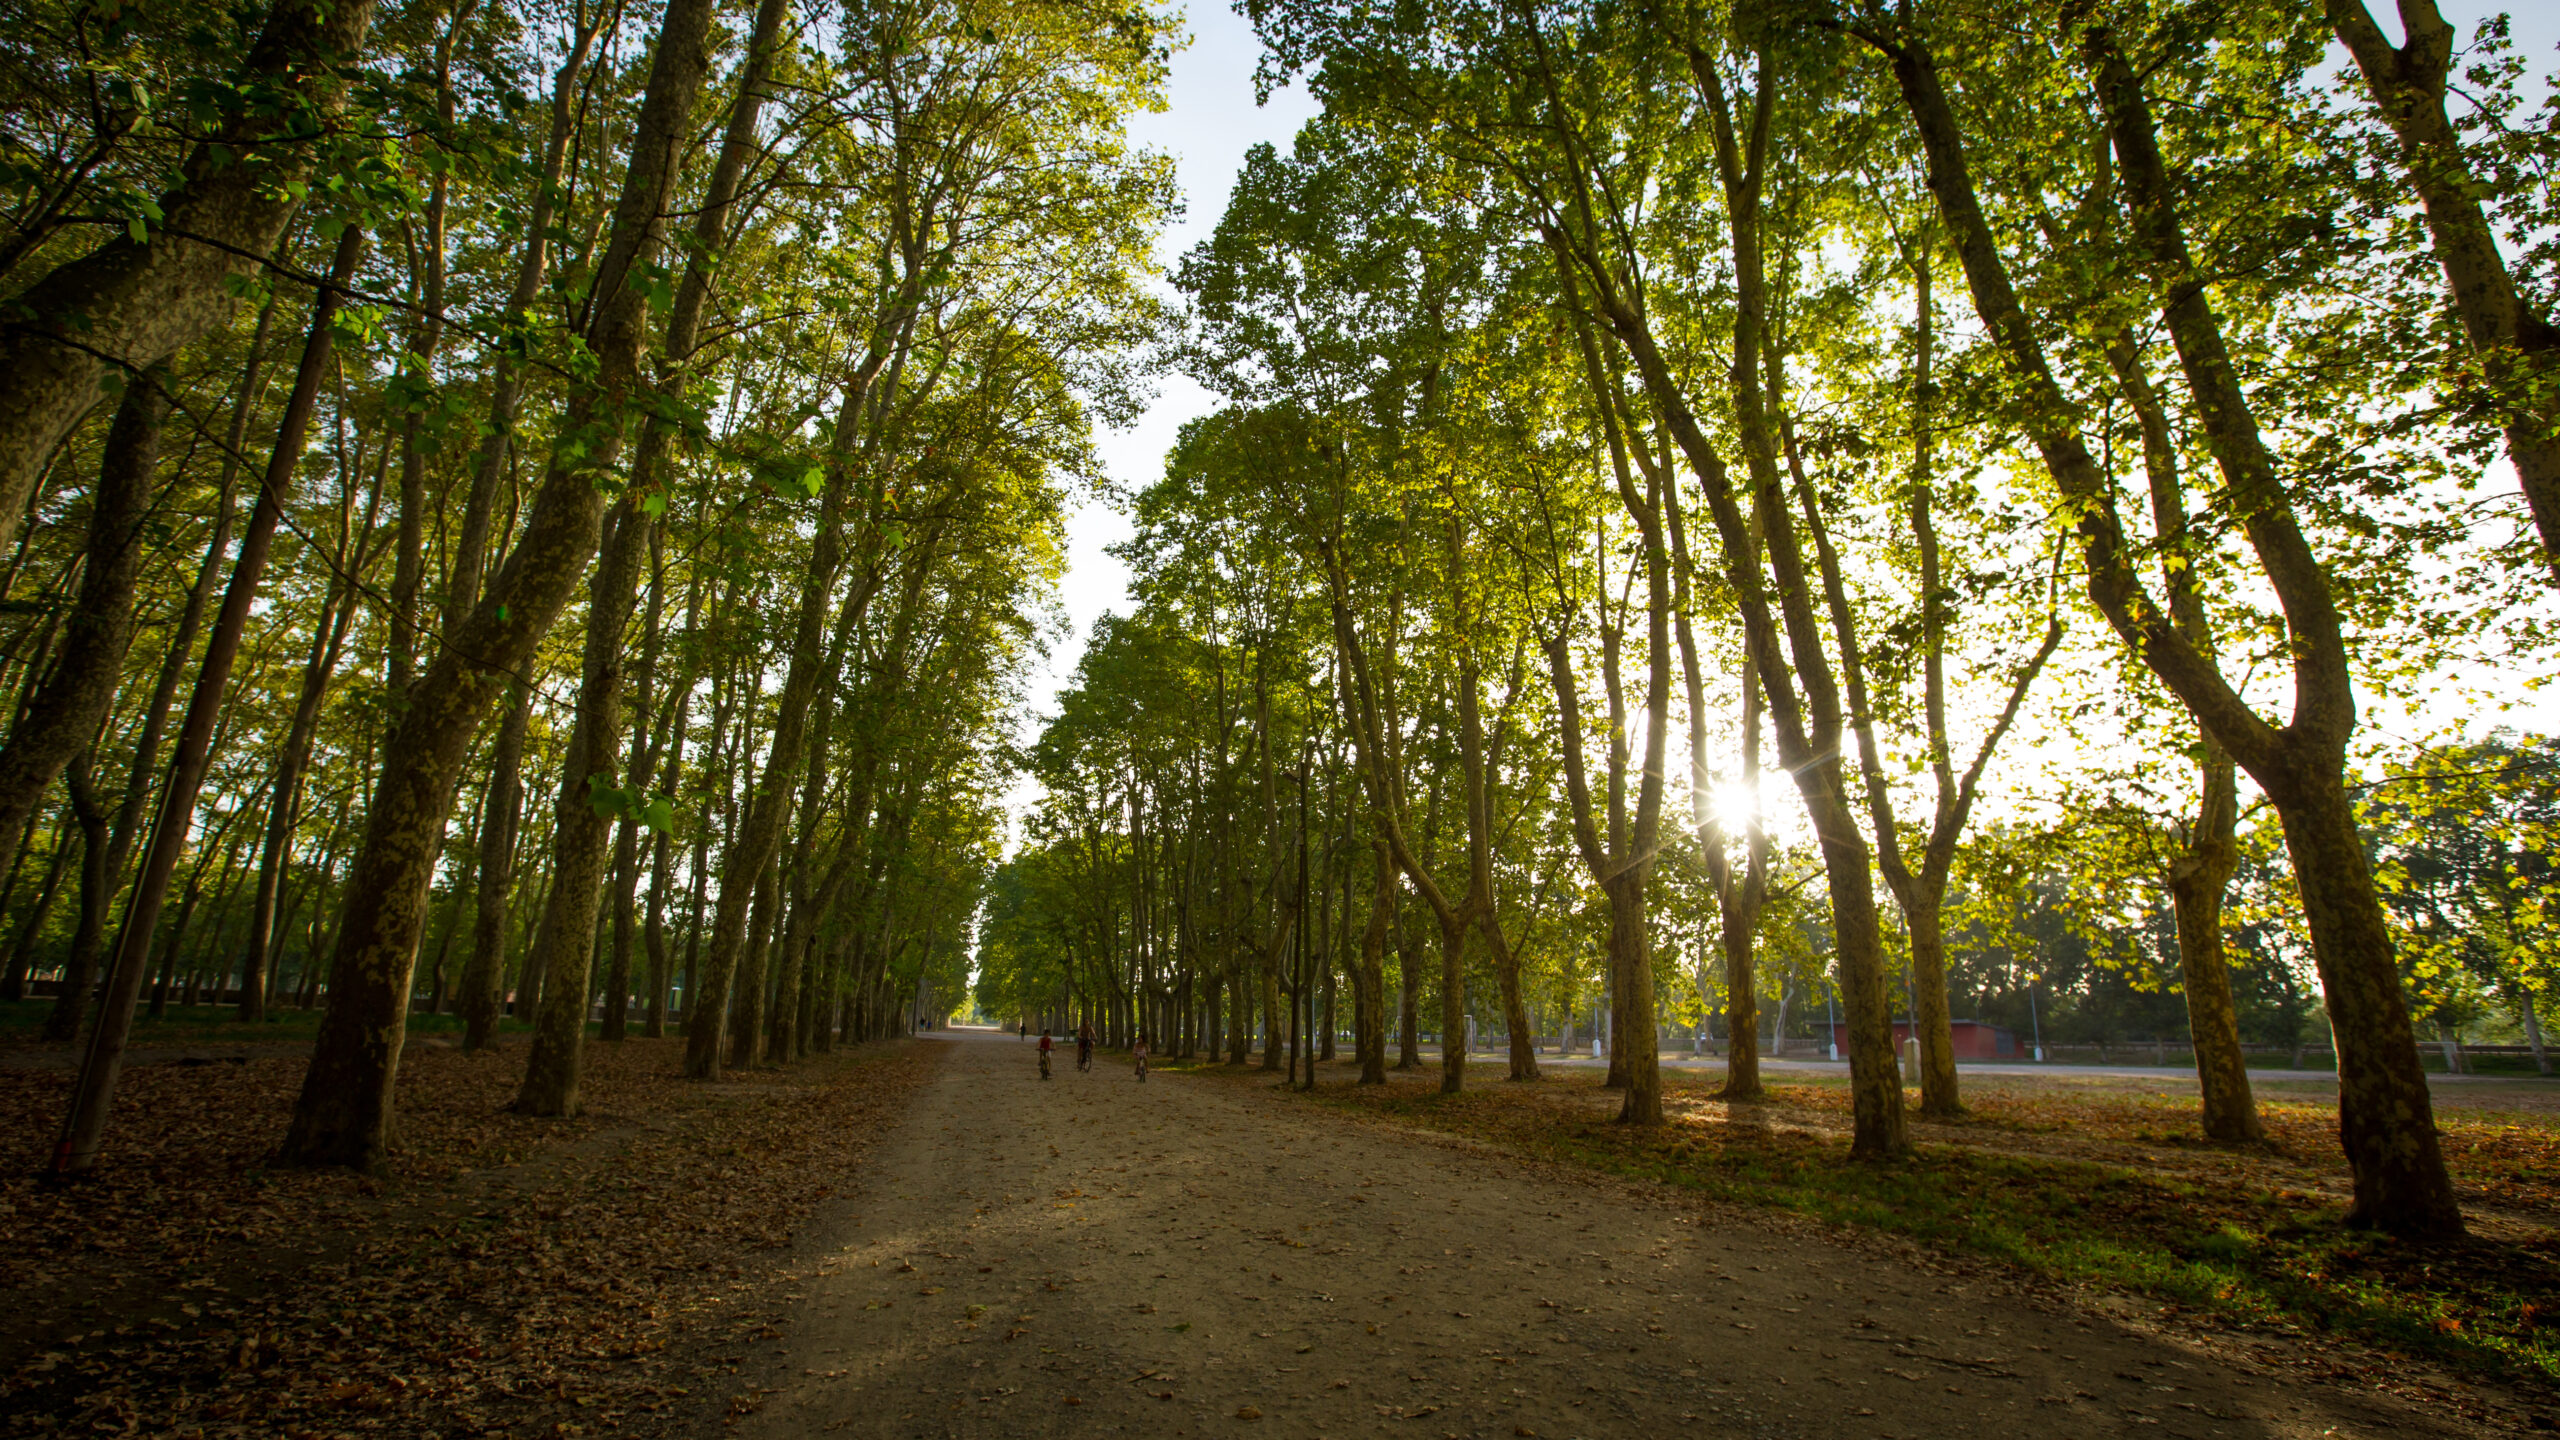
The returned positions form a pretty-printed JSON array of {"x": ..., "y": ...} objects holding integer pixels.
[{"x": 1191, "y": 1256}]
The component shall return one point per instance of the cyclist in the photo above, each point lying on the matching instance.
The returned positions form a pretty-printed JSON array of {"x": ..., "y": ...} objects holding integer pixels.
[
  {"x": 1084, "y": 1047},
  {"x": 1140, "y": 1050},
  {"x": 1044, "y": 1052}
]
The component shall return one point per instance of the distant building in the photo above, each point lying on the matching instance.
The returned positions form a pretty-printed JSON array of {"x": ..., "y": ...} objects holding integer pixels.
[{"x": 1974, "y": 1039}]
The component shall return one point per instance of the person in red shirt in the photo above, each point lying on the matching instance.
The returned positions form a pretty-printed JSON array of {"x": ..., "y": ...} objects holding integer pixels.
[{"x": 1044, "y": 1052}]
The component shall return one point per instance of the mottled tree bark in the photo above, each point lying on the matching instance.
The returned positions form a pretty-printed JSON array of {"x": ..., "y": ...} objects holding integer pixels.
[
  {"x": 2201, "y": 871},
  {"x": 80, "y": 962},
  {"x": 343, "y": 1116},
  {"x": 581, "y": 828},
  {"x": 63, "y": 713},
  {"x": 132, "y": 304},
  {"x": 484, "y": 975},
  {"x": 2386, "y": 1120},
  {"x": 2197, "y": 880},
  {"x": 473, "y": 542},
  {"x": 746, "y": 1029},
  {"x": 408, "y": 570},
  {"x": 1409, "y": 992},
  {"x": 582, "y": 831},
  {"x": 1370, "y": 977},
  {"x": 284, "y": 811}
]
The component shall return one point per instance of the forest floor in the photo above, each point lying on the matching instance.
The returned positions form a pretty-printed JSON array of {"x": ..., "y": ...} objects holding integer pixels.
[
  {"x": 1206, "y": 1254},
  {"x": 608, "y": 1275},
  {"x": 199, "y": 1033}
]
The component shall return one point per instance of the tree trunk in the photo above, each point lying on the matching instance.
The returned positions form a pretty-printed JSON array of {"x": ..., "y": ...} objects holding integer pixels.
[
  {"x": 1453, "y": 1005},
  {"x": 187, "y": 901},
  {"x": 625, "y": 917},
  {"x": 62, "y": 716},
  {"x": 583, "y": 823},
  {"x": 343, "y": 1116},
  {"x": 1739, "y": 898},
  {"x": 746, "y": 1009},
  {"x": 418, "y": 373},
  {"x": 484, "y": 975},
  {"x": 285, "y": 807},
  {"x": 1273, "y": 1036},
  {"x": 22, "y": 953},
  {"x": 132, "y": 304},
  {"x": 436, "y": 990},
  {"x": 246, "y": 575},
  {"x": 2517, "y": 348},
  {"x": 2386, "y": 1116},
  {"x": 528, "y": 994},
  {"x": 1633, "y": 1039},
  {"x": 145, "y": 772},
  {"x": 768, "y": 803},
  {"x": 2197, "y": 880},
  {"x": 2199, "y": 875},
  {"x": 1523, "y": 1034},
  {"x": 85, "y": 1123},
  {"x": 1408, "y": 992},
  {"x": 1340, "y": 930},
  {"x": 1932, "y": 1020},
  {"x": 654, "y": 931},
  {"x": 2386, "y": 1119},
  {"x": 80, "y": 965},
  {"x": 471, "y": 546},
  {"x": 582, "y": 826}
]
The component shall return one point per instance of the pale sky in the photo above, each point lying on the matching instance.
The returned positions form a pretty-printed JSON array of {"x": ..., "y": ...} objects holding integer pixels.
[{"x": 1208, "y": 124}]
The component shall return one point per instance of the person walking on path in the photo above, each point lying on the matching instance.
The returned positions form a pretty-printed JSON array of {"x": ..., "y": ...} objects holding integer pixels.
[
  {"x": 1044, "y": 1053},
  {"x": 1140, "y": 1050},
  {"x": 1084, "y": 1046}
]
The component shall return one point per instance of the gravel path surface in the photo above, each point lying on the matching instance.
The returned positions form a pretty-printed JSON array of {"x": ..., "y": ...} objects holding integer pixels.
[{"x": 1188, "y": 1256}]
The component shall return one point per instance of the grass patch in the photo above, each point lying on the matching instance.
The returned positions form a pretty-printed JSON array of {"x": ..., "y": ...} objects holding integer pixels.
[{"x": 2227, "y": 1234}]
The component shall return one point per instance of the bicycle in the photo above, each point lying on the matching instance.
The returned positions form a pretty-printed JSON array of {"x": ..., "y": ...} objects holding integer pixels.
[
  {"x": 1084, "y": 1059},
  {"x": 1044, "y": 1064}
]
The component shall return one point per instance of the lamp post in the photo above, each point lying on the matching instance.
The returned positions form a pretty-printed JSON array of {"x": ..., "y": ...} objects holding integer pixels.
[{"x": 2035, "y": 1022}]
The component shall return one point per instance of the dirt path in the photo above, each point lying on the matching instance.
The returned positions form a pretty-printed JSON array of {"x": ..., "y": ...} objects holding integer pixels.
[{"x": 1189, "y": 1257}]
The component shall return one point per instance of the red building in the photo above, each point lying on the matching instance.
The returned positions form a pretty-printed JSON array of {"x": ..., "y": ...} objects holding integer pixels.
[{"x": 1974, "y": 1039}]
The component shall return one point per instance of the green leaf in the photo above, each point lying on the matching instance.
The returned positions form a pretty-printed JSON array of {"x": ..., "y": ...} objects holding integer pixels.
[{"x": 659, "y": 814}]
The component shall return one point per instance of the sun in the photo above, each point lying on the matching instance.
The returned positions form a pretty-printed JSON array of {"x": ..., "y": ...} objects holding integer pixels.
[{"x": 1734, "y": 804}]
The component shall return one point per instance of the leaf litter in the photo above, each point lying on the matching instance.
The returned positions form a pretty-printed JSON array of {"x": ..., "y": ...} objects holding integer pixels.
[{"x": 506, "y": 1275}]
